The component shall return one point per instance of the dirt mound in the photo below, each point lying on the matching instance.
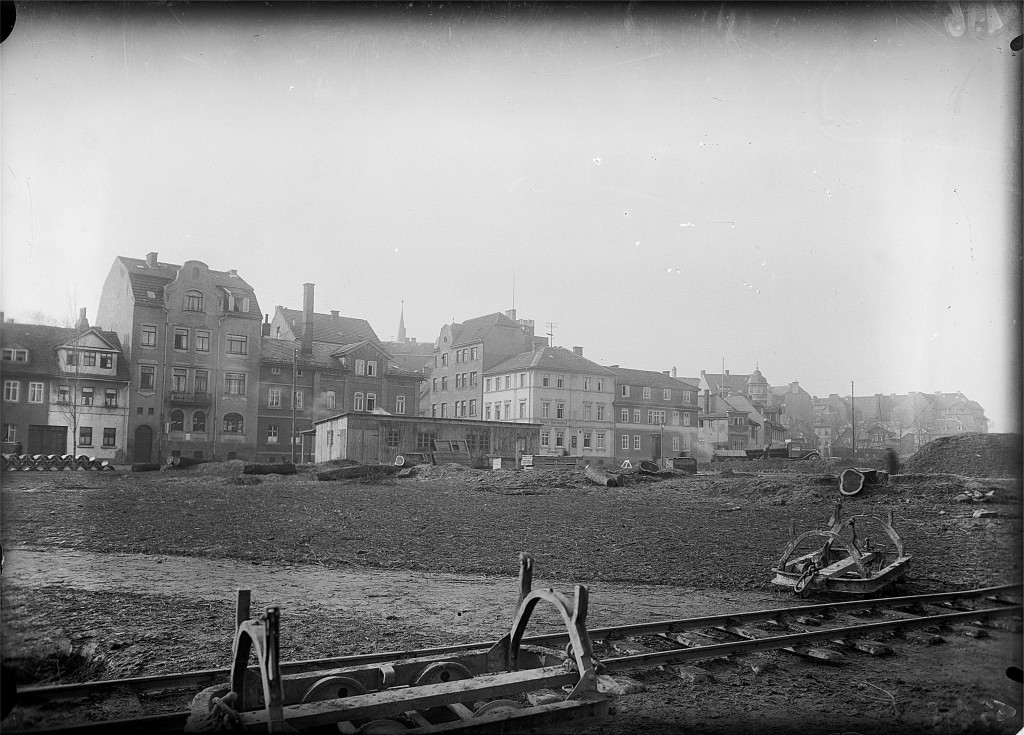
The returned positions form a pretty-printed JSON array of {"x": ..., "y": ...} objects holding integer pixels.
[
  {"x": 231, "y": 467},
  {"x": 970, "y": 455}
]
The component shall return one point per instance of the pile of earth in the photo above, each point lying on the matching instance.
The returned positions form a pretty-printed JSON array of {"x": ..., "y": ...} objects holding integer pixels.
[{"x": 970, "y": 455}]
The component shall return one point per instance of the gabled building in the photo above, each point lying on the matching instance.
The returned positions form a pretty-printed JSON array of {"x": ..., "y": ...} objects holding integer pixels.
[
  {"x": 569, "y": 396},
  {"x": 305, "y": 380},
  {"x": 407, "y": 353},
  {"x": 192, "y": 338},
  {"x": 656, "y": 416},
  {"x": 65, "y": 390},
  {"x": 463, "y": 351}
]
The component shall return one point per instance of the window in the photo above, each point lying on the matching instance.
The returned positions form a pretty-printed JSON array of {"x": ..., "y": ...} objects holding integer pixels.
[
  {"x": 63, "y": 394},
  {"x": 472, "y": 378},
  {"x": 487, "y": 385},
  {"x": 106, "y": 361},
  {"x": 558, "y": 439},
  {"x": 358, "y": 402},
  {"x": 12, "y": 354},
  {"x": 546, "y": 380},
  {"x": 508, "y": 409},
  {"x": 458, "y": 380},
  {"x": 85, "y": 436},
  {"x": 433, "y": 384},
  {"x": 193, "y": 301},
  {"x": 10, "y": 433},
  {"x": 330, "y": 437},
  {"x": 600, "y": 440},
  {"x": 89, "y": 359},
  {"x": 522, "y": 409},
  {"x": 444, "y": 382},
  {"x": 87, "y": 396},
  {"x": 574, "y": 441},
  {"x": 686, "y": 445},
  {"x": 177, "y": 420},
  {"x": 587, "y": 408},
  {"x": 444, "y": 410},
  {"x": 545, "y": 409},
  {"x": 71, "y": 357},
  {"x": 400, "y": 404},
  {"x": 667, "y": 394},
  {"x": 199, "y": 421},
  {"x": 202, "y": 381},
  {"x": 109, "y": 437},
  {"x": 35, "y": 392},
  {"x": 675, "y": 418},
  {"x": 371, "y": 401},
  {"x": 636, "y": 415},
  {"x": 625, "y": 441},
  {"x": 497, "y": 412},
  {"x": 180, "y": 338},
  {"x": 147, "y": 377},
  {"x": 586, "y": 382},
  {"x": 203, "y": 341},
  {"x": 600, "y": 412},
  {"x": 636, "y": 441},
  {"x": 647, "y": 392},
  {"x": 656, "y": 417},
  {"x": 424, "y": 439},
  {"x": 487, "y": 412},
  {"x": 273, "y": 370},
  {"x": 522, "y": 379},
  {"x": 371, "y": 367},
  {"x": 297, "y": 399},
  {"x": 235, "y": 383},
  {"x": 625, "y": 415},
  {"x": 273, "y": 432},
  {"x": 332, "y": 399},
  {"x": 687, "y": 418},
  {"x": 686, "y": 396},
  {"x": 600, "y": 383},
  {"x": 179, "y": 379},
  {"x": 675, "y": 444},
  {"x": 148, "y": 335},
  {"x": 586, "y": 440},
  {"x": 560, "y": 381},
  {"x": 274, "y": 398},
  {"x": 444, "y": 359},
  {"x": 473, "y": 354},
  {"x": 391, "y": 438},
  {"x": 485, "y": 443},
  {"x": 238, "y": 344},
  {"x": 232, "y": 423},
  {"x": 110, "y": 398},
  {"x": 472, "y": 407},
  {"x": 559, "y": 410},
  {"x": 508, "y": 382},
  {"x": 545, "y": 437}
]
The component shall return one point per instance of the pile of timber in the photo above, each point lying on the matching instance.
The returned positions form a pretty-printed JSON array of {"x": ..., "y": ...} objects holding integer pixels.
[
  {"x": 600, "y": 477},
  {"x": 184, "y": 461},
  {"x": 281, "y": 468},
  {"x": 359, "y": 470}
]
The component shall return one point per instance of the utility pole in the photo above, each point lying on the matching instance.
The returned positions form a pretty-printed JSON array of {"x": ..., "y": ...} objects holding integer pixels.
[
  {"x": 853, "y": 423},
  {"x": 295, "y": 365}
]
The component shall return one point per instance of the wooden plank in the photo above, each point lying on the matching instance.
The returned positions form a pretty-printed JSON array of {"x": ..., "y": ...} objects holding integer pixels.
[
  {"x": 834, "y": 570},
  {"x": 394, "y": 702},
  {"x": 461, "y": 710}
]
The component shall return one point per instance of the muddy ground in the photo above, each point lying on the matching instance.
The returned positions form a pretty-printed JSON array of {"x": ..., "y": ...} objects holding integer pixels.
[{"x": 120, "y": 574}]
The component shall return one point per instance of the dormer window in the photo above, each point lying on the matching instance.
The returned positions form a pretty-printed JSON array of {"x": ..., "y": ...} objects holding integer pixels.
[
  {"x": 193, "y": 301},
  {"x": 12, "y": 354}
]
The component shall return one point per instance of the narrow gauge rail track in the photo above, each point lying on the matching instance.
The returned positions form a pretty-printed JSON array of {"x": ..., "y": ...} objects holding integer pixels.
[{"x": 899, "y": 613}]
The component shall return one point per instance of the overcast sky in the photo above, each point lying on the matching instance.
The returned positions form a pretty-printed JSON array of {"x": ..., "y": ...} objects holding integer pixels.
[{"x": 831, "y": 194}]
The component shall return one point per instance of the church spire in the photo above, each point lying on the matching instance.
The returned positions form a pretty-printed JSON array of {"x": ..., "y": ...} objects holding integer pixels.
[{"x": 401, "y": 325}]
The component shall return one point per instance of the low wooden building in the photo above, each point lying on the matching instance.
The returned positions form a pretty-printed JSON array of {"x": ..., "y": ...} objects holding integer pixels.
[{"x": 379, "y": 438}]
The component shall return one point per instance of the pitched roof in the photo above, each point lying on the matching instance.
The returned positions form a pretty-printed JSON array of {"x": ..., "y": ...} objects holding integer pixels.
[
  {"x": 42, "y": 340},
  {"x": 651, "y": 378},
  {"x": 326, "y": 355},
  {"x": 474, "y": 330},
  {"x": 732, "y": 380},
  {"x": 329, "y": 328},
  {"x": 148, "y": 281},
  {"x": 551, "y": 358}
]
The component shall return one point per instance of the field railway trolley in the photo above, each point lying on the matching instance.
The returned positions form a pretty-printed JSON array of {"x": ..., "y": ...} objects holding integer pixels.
[{"x": 519, "y": 683}]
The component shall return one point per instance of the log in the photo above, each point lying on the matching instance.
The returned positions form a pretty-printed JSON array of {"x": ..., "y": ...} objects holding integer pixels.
[
  {"x": 146, "y": 467},
  {"x": 359, "y": 470},
  {"x": 281, "y": 468},
  {"x": 600, "y": 477}
]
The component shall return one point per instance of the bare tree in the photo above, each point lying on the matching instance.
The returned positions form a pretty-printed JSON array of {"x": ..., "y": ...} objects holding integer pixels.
[{"x": 69, "y": 382}]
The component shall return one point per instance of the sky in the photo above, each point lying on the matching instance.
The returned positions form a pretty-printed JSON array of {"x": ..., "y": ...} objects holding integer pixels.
[{"x": 828, "y": 193}]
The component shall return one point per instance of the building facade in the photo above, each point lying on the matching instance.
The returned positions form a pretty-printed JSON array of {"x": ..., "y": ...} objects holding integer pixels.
[
  {"x": 192, "y": 336},
  {"x": 656, "y": 416}
]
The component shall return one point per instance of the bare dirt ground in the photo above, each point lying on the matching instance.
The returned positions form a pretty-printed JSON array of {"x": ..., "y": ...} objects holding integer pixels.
[{"x": 115, "y": 574}]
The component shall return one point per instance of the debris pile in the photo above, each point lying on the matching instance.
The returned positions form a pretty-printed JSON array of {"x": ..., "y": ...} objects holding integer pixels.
[{"x": 970, "y": 455}]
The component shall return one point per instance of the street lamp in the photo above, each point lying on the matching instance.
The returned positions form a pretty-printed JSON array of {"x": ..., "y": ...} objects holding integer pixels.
[
  {"x": 295, "y": 364},
  {"x": 661, "y": 443}
]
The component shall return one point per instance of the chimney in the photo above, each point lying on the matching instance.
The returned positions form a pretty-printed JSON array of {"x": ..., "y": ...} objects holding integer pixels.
[
  {"x": 232, "y": 272},
  {"x": 511, "y": 314},
  {"x": 334, "y": 313},
  {"x": 151, "y": 260},
  {"x": 674, "y": 375},
  {"x": 578, "y": 351},
  {"x": 307, "y": 318},
  {"x": 83, "y": 323},
  {"x": 666, "y": 373},
  {"x": 265, "y": 328}
]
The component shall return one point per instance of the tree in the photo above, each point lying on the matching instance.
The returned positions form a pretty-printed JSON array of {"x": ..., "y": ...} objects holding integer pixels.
[{"x": 69, "y": 381}]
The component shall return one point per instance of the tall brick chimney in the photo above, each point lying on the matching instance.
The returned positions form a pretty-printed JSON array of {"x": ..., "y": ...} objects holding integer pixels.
[
  {"x": 307, "y": 318},
  {"x": 83, "y": 323}
]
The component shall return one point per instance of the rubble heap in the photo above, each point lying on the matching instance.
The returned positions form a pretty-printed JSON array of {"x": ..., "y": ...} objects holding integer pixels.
[{"x": 970, "y": 455}]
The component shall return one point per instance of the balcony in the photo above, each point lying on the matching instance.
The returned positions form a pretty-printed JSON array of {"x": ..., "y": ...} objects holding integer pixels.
[{"x": 195, "y": 398}]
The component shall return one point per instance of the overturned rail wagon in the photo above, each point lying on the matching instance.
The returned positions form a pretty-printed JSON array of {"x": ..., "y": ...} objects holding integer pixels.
[{"x": 858, "y": 554}]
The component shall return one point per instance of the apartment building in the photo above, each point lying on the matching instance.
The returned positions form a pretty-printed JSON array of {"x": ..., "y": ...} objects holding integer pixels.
[{"x": 655, "y": 416}]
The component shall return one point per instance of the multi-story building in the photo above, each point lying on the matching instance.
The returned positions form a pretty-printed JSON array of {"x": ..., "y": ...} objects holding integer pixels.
[
  {"x": 567, "y": 394},
  {"x": 304, "y": 380},
  {"x": 463, "y": 352},
  {"x": 192, "y": 337},
  {"x": 655, "y": 416},
  {"x": 65, "y": 390}
]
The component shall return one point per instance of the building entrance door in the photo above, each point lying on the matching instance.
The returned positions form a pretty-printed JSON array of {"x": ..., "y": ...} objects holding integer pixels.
[
  {"x": 143, "y": 451},
  {"x": 656, "y": 444}
]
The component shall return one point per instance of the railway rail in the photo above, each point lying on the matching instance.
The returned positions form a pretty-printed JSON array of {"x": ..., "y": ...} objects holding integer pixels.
[{"x": 434, "y": 689}]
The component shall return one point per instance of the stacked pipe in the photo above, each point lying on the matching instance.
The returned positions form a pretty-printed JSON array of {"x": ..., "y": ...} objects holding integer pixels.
[{"x": 43, "y": 462}]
